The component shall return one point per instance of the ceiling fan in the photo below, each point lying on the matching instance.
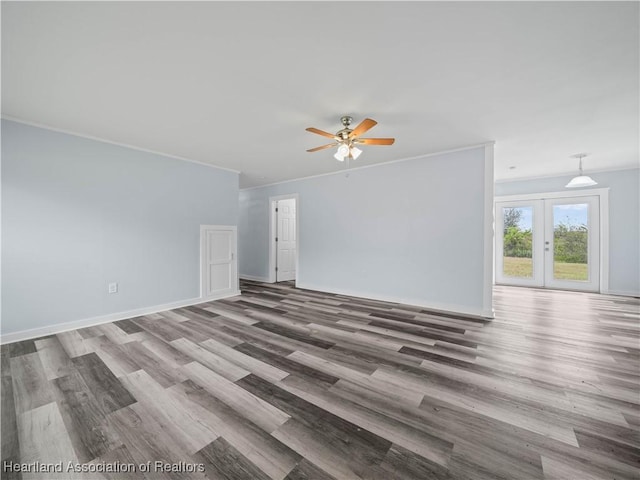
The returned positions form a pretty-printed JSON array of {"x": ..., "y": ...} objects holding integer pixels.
[{"x": 347, "y": 139}]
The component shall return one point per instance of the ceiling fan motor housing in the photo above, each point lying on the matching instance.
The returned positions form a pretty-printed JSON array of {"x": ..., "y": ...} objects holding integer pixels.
[{"x": 343, "y": 135}]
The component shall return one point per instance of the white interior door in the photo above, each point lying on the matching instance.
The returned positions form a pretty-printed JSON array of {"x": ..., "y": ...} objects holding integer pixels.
[
  {"x": 219, "y": 264},
  {"x": 572, "y": 243},
  {"x": 286, "y": 240},
  {"x": 552, "y": 242}
]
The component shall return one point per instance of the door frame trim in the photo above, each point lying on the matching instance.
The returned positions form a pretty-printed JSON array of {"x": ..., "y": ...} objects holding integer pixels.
[
  {"x": 273, "y": 228},
  {"x": 603, "y": 193},
  {"x": 203, "y": 229}
]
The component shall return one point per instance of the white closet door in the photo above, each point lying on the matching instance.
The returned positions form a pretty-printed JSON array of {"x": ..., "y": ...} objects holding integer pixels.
[
  {"x": 219, "y": 263},
  {"x": 286, "y": 243}
]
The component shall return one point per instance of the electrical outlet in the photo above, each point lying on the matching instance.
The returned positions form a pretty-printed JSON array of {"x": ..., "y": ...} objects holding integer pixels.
[{"x": 113, "y": 288}]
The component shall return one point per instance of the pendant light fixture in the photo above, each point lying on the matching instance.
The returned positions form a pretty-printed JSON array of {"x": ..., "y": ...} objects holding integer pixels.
[{"x": 581, "y": 180}]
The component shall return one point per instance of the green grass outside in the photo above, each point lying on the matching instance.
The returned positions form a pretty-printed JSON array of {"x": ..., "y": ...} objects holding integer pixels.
[
  {"x": 518, "y": 267},
  {"x": 523, "y": 268},
  {"x": 571, "y": 271}
]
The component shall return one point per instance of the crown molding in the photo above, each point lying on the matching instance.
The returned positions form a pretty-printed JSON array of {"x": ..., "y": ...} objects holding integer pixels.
[
  {"x": 571, "y": 173},
  {"x": 111, "y": 142},
  {"x": 406, "y": 159}
]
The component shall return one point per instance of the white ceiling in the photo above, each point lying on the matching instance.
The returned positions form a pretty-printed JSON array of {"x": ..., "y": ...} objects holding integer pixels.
[{"x": 236, "y": 84}]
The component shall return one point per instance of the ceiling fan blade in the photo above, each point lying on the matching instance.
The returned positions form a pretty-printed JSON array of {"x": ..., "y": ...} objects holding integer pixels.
[
  {"x": 329, "y": 145},
  {"x": 375, "y": 141},
  {"x": 365, "y": 125},
  {"x": 320, "y": 132}
]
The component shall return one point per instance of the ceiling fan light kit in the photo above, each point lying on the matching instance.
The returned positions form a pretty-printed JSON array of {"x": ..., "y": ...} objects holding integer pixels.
[
  {"x": 581, "y": 180},
  {"x": 347, "y": 139},
  {"x": 343, "y": 151}
]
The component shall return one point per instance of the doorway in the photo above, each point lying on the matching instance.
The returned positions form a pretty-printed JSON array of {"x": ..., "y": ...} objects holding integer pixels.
[
  {"x": 553, "y": 242},
  {"x": 284, "y": 238}
]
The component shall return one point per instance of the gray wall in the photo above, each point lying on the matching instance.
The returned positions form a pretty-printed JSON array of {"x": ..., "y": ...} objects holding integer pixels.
[
  {"x": 624, "y": 220},
  {"x": 410, "y": 231},
  {"x": 78, "y": 214}
]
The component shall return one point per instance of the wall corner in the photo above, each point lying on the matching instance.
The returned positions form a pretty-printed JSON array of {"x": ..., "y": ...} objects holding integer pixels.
[{"x": 487, "y": 297}]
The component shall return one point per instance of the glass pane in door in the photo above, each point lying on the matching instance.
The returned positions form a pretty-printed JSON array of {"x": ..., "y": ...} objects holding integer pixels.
[
  {"x": 517, "y": 242},
  {"x": 571, "y": 242}
]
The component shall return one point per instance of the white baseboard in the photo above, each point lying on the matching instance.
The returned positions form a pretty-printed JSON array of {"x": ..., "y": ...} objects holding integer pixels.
[
  {"x": 112, "y": 317},
  {"x": 488, "y": 313},
  {"x": 436, "y": 307},
  {"x": 254, "y": 278},
  {"x": 622, "y": 293}
]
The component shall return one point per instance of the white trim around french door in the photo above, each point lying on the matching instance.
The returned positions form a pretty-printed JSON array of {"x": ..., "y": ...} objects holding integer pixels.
[{"x": 533, "y": 254}]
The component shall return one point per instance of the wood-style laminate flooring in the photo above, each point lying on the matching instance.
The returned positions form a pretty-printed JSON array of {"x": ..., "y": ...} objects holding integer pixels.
[{"x": 284, "y": 383}]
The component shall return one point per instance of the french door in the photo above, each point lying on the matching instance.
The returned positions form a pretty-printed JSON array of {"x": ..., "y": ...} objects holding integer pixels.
[{"x": 550, "y": 243}]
